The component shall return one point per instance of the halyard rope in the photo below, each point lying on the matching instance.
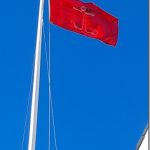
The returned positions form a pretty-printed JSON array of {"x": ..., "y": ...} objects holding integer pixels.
[
  {"x": 27, "y": 109},
  {"x": 51, "y": 110}
]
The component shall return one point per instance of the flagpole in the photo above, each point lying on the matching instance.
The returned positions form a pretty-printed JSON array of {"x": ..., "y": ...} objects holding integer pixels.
[
  {"x": 148, "y": 128},
  {"x": 36, "y": 81}
]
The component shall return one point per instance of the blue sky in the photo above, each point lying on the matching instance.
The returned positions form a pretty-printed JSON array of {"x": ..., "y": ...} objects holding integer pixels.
[{"x": 100, "y": 93}]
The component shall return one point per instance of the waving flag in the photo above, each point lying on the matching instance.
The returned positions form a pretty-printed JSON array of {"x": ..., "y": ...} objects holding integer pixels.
[{"x": 86, "y": 19}]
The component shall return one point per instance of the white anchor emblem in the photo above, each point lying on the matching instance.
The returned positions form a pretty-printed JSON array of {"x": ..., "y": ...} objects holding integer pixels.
[{"x": 86, "y": 12}]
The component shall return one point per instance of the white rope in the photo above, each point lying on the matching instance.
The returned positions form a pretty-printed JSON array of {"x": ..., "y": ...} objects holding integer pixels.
[
  {"x": 49, "y": 78},
  {"x": 27, "y": 109},
  {"x": 53, "y": 122},
  {"x": 51, "y": 110},
  {"x": 28, "y": 104}
]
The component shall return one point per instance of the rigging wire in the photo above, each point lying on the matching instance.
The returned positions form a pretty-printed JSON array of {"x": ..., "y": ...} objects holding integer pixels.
[
  {"x": 29, "y": 98},
  {"x": 49, "y": 89},
  {"x": 51, "y": 109},
  {"x": 27, "y": 109}
]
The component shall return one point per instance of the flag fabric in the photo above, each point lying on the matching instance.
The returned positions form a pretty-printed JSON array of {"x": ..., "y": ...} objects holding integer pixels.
[{"x": 86, "y": 19}]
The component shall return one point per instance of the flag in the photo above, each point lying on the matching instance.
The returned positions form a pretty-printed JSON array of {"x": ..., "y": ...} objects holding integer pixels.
[{"x": 86, "y": 19}]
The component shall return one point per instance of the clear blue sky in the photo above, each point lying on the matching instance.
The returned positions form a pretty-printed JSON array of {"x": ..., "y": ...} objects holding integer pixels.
[{"x": 100, "y": 93}]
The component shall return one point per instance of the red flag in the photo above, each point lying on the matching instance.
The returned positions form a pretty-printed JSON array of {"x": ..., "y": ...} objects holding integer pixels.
[{"x": 86, "y": 19}]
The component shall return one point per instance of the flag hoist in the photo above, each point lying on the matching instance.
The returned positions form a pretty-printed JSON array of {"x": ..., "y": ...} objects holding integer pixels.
[{"x": 36, "y": 80}]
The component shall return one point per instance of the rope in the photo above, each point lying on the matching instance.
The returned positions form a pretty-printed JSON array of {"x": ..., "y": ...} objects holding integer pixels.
[
  {"x": 49, "y": 88},
  {"x": 29, "y": 97},
  {"x": 51, "y": 109},
  {"x": 50, "y": 98},
  {"x": 49, "y": 92},
  {"x": 27, "y": 109}
]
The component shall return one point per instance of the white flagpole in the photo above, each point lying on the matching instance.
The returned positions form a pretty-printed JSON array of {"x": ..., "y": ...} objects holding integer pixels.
[
  {"x": 149, "y": 74},
  {"x": 36, "y": 80}
]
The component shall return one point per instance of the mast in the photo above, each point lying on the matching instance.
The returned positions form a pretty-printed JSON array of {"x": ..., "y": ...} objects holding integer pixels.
[
  {"x": 36, "y": 80},
  {"x": 149, "y": 74}
]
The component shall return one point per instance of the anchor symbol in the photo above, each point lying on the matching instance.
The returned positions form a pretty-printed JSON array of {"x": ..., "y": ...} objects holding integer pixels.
[{"x": 86, "y": 12}]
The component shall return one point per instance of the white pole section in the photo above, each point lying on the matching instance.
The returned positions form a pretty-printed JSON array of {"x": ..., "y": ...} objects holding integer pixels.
[
  {"x": 36, "y": 80},
  {"x": 144, "y": 144},
  {"x": 149, "y": 75}
]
